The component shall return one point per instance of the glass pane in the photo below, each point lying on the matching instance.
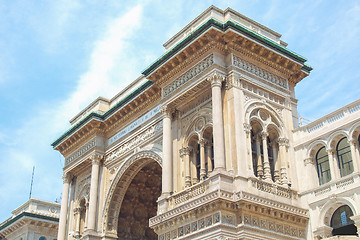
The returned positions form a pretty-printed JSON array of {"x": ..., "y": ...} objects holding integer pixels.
[
  {"x": 341, "y": 217},
  {"x": 323, "y": 167},
  {"x": 344, "y": 157}
]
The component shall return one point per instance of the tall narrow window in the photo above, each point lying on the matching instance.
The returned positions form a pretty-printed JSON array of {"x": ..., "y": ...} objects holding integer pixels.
[
  {"x": 344, "y": 157},
  {"x": 323, "y": 167},
  {"x": 253, "y": 151}
]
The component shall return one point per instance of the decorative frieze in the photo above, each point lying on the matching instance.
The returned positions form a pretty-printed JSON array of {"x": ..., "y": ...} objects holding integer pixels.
[
  {"x": 262, "y": 94},
  {"x": 259, "y": 72},
  {"x": 134, "y": 125},
  {"x": 82, "y": 150},
  {"x": 136, "y": 141},
  {"x": 190, "y": 74},
  {"x": 273, "y": 226}
]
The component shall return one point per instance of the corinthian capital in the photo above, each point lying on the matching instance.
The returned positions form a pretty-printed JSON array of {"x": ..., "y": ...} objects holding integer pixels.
[
  {"x": 283, "y": 142},
  {"x": 184, "y": 151},
  {"x": 67, "y": 177},
  {"x": 216, "y": 78},
  {"x": 96, "y": 158},
  {"x": 166, "y": 111}
]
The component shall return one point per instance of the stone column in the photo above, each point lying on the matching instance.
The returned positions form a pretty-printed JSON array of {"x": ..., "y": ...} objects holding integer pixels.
[
  {"x": 185, "y": 155},
  {"x": 218, "y": 124},
  {"x": 167, "y": 153},
  {"x": 208, "y": 157},
  {"x": 64, "y": 207},
  {"x": 276, "y": 162},
  {"x": 267, "y": 171},
  {"x": 94, "y": 183},
  {"x": 77, "y": 215},
  {"x": 202, "y": 143},
  {"x": 86, "y": 212},
  {"x": 248, "y": 147},
  {"x": 334, "y": 171},
  {"x": 194, "y": 176},
  {"x": 260, "y": 171},
  {"x": 353, "y": 145},
  {"x": 283, "y": 144}
]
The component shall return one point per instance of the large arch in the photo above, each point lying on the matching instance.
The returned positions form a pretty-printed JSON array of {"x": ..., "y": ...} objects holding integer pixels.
[{"x": 119, "y": 186}]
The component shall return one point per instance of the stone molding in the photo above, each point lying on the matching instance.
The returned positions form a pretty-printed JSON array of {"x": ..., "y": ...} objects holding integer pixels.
[
  {"x": 81, "y": 152},
  {"x": 134, "y": 125},
  {"x": 187, "y": 76},
  {"x": 137, "y": 140},
  {"x": 259, "y": 72}
]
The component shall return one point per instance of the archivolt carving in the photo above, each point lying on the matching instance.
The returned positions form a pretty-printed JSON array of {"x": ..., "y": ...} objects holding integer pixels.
[
  {"x": 329, "y": 208},
  {"x": 253, "y": 105},
  {"x": 119, "y": 185},
  {"x": 198, "y": 122}
]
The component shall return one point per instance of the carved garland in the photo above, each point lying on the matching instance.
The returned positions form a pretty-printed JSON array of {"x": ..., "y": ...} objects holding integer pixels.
[{"x": 120, "y": 184}]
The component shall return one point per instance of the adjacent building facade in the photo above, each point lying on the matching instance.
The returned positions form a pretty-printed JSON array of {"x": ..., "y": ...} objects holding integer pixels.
[
  {"x": 34, "y": 220},
  {"x": 205, "y": 144}
]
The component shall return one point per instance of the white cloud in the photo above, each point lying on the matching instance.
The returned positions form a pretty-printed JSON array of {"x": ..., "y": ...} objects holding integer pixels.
[{"x": 30, "y": 142}]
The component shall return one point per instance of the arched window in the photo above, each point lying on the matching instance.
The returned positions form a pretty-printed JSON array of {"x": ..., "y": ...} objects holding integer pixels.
[
  {"x": 323, "y": 167},
  {"x": 341, "y": 222},
  {"x": 42, "y": 238},
  {"x": 344, "y": 157}
]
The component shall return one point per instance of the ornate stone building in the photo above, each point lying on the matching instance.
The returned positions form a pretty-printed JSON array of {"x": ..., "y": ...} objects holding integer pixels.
[
  {"x": 34, "y": 220},
  {"x": 205, "y": 144}
]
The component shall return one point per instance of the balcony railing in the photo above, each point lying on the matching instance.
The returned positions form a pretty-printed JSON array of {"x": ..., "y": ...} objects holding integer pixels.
[
  {"x": 189, "y": 193},
  {"x": 332, "y": 117}
]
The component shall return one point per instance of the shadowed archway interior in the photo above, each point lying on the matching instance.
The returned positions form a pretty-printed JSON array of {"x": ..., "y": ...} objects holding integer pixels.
[{"x": 139, "y": 204}]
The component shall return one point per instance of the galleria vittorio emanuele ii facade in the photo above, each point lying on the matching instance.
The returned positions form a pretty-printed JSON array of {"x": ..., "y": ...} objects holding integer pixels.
[{"x": 206, "y": 144}]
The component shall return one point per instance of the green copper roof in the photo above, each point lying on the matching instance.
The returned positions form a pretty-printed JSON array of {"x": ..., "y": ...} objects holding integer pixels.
[
  {"x": 103, "y": 116},
  {"x": 222, "y": 26},
  {"x": 27, "y": 214}
]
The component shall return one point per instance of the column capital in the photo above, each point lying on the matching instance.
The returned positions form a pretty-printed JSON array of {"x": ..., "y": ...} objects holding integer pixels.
[
  {"x": 330, "y": 151},
  {"x": 96, "y": 158},
  {"x": 308, "y": 160},
  {"x": 247, "y": 128},
  {"x": 185, "y": 151},
  {"x": 283, "y": 142},
  {"x": 264, "y": 135},
  {"x": 232, "y": 81},
  {"x": 203, "y": 142},
  {"x": 67, "y": 177},
  {"x": 166, "y": 111},
  {"x": 216, "y": 78},
  {"x": 353, "y": 141}
]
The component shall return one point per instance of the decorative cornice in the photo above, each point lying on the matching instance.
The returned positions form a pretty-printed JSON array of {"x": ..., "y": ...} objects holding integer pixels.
[
  {"x": 187, "y": 76},
  {"x": 222, "y": 27},
  {"x": 259, "y": 72}
]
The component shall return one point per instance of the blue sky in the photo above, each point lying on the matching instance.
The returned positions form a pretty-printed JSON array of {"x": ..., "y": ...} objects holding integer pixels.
[{"x": 58, "y": 56}]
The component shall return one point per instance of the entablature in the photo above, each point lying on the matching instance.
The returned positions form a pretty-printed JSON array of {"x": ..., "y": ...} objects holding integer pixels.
[
  {"x": 108, "y": 123},
  {"x": 224, "y": 37}
]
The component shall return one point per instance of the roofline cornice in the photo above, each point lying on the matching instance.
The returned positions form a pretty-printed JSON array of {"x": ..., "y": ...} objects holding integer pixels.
[{"x": 229, "y": 24}]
